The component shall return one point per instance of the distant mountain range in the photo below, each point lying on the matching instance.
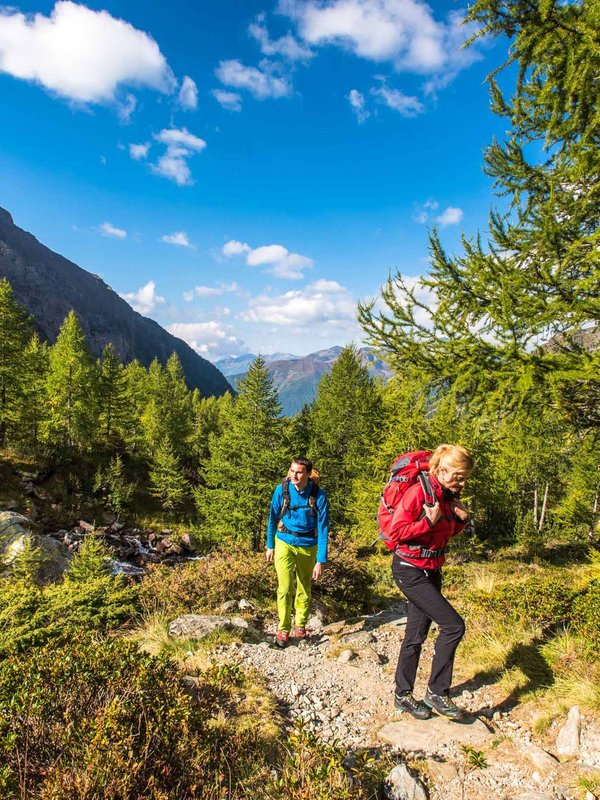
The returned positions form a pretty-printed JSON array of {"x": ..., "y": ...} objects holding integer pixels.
[
  {"x": 296, "y": 378},
  {"x": 49, "y": 286}
]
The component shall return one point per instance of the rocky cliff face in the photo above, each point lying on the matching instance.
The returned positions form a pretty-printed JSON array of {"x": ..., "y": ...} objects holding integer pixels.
[{"x": 48, "y": 286}]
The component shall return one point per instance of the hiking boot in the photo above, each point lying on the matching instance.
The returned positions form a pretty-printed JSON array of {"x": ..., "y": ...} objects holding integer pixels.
[
  {"x": 406, "y": 702},
  {"x": 442, "y": 704},
  {"x": 299, "y": 632},
  {"x": 282, "y": 639}
]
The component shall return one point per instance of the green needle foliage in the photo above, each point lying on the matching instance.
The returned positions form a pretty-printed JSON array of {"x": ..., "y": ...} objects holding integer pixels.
[{"x": 14, "y": 333}]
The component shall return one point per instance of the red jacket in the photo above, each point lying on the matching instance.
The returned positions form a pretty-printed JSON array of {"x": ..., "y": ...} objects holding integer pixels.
[{"x": 410, "y": 526}]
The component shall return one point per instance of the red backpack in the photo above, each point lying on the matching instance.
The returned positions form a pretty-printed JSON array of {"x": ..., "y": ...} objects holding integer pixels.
[{"x": 406, "y": 470}]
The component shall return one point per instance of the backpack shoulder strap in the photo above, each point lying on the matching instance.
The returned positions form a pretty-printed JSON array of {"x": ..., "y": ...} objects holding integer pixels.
[
  {"x": 285, "y": 487},
  {"x": 312, "y": 499},
  {"x": 427, "y": 488}
]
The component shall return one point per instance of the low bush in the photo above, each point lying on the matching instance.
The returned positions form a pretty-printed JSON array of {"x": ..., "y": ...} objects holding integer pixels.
[
  {"x": 544, "y": 601},
  {"x": 347, "y": 579},
  {"x": 206, "y": 584},
  {"x": 586, "y": 616}
]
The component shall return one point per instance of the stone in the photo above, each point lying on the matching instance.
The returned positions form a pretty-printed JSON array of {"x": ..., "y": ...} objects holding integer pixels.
[
  {"x": 540, "y": 759},
  {"x": 238, "y": 622},
  {"x": 228, "y": 606},
  {"x": 568, "y": 739},
  {"x": 357, "y": 637},
  {"x": 245, "y": 605},
  {"x": 401, "y": 785},
  {"x": 346, "y": 656},
  {"x": 432, "y": 735},
  {"x": 15, "y": 533},
  {"x": 442, "y": 771},
  {"x": 86, "y": 526},
  {"x": 345, "y": 626},
  {"x": 8, "y": 505},
  {"x": 197, "y": 626},
  {"x": 314, "y": 624},
  {"x": 532, "y": 796}
]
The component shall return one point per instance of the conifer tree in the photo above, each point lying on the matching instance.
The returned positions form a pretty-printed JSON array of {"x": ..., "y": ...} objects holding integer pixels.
[
  {"x": 32, "y": 411},
  {"x": 15, "y": 330},
  {"x": 112, "y": 392},
  {"x": 247, "y": 460},
  {"x": 209, "y": 414},
  {"x": 72, "y": 388},
  {"x": 90, "y": 562},
  {"x": 137, "y": 395},
  {"x": 345, "y": 425},
  {"x": 167, "y": 481},
  {"x": 507, "y": 319},
  {"x": 112, "y": 482},
  {"x": 168, "y": 412}
]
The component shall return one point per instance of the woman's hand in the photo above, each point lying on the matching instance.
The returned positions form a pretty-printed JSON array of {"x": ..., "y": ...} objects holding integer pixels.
[
  {"x": 461, "y": 511},
  {"x": 433, "y": 513}
]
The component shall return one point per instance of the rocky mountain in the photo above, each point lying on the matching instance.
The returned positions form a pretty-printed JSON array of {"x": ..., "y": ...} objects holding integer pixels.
[
  {"x": 49, "y": 286},
  {"x": 238, "y": 365},
  {"x": 296, "y": 378}
]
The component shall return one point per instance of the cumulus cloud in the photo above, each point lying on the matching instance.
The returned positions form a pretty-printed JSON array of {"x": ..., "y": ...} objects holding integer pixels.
[
  {"x": 82, "y": 55},
  {"x": 106, "y": 229},
  {"x": 262, "y": 82},
  {"x": 450, "y": 216},
  {"x": 232, "y": 101},
  {"x": 405, "y": 105},
  {"x": 181, "y": 145},
  {"x": 179, "y": 239},
  {"x": 211, "y": 339},
  {"x": 139, "y": 151},
  {"x": 277, "y": 258},
  {"x": 145, "y": 300},
  {"x": 322, "y": 302},
  {"x": 210, "y": 291},
  {"x": 188, "y": 94},
  {"x": 422, "y": 212},
  {"x": 357, "y": 103},
  {"x": 286, "y": 46}
]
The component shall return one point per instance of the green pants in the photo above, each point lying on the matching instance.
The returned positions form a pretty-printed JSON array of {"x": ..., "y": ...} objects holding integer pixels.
[{"x": 289, "y": 562}]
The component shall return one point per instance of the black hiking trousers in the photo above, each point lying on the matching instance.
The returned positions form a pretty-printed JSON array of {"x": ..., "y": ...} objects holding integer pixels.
[{"x": 426, "y": 604}]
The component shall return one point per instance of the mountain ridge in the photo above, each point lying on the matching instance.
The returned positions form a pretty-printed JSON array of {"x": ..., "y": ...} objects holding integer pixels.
[{"x": 49, "y": 286}]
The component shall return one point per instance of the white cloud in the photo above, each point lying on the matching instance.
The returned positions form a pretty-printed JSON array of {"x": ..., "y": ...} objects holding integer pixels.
[
  {"x": 276, "y": 257},
  {"x": 261, "y": 83},
  {"x": 232, "y": 101},
  {"x": 357, "y": 102},
  {"x": 404, "y": 33},
  {"x": 322, "y": 302},
  {"x": 139, "y": 151},
  {"x": 179, "y": 239},
  {"x": 450, "y": 216},
  {"x": 145, "y": 300},
  {"x": 106, "y": 229},
  {"x": 235, "y": 248},
  {"x": 404, "y": 104},
  {"x": 188, "y": 94},
  {"x": 181, "y": 145},
  {"x": 82, "y": 55},
  {"x": 210, "y": 339},
  {"x": 210, "y": 291},
  {"x": 286, "y": 46}
]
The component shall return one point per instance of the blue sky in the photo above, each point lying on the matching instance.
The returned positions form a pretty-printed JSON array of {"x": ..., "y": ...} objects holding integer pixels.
[{"x": 245, "y": 172}]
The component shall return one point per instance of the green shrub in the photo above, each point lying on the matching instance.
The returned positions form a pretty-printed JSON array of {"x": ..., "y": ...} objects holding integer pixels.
[
  {"x": 347, "y": 579},
  {"x": 206, "y": 584},
  {"x": 91, "y": 561},
  {"x": 586, "y": 616},
  {"x": 541, "y": 600}
]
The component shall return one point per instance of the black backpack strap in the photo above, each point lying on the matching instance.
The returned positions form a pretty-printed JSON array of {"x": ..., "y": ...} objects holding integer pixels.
[
  {"x": 427, "y": 488},
  {"x": 285, "y": 487},
  {"x": 312, "y": 500}
]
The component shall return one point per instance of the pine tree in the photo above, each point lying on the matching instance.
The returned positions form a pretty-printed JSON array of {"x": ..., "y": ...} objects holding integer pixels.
[
  {"x": 15, "y": 330},
  {"x": 112, "y": 482},
  {"x": 112, "y": 392},
  {"x": 209, "y": 414},
  {"x": 345, "y": 426},
  {"x": 72, "y": 388},
  {"x": 168, "y": 412},
  {"x": 136, "y": 392},
  {"x": 247, "y": 460},
  {"x": 90, "y": 562},
  {"x": 32, "y": 412},
  {"x": 506, "y": 318},
  {"x": 167, "y": 481}
]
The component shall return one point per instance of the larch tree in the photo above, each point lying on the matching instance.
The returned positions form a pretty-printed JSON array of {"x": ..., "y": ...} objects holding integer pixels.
[
  {"x": 15, "y": 330},
  {"x": 112, "y": 393}
]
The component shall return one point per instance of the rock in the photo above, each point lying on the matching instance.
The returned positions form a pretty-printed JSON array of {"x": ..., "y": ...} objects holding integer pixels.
[
  {"x": 197, "y": 626},
  {"x": 238, "y": 622},
  {"x": 568, "y": 739},
  {"x": 228, "y": 606},
  {"x": 540, "y": 759},
  {"x": 442, "y": 771},
  {"x": 345, "y": 626},
  {"x": 86, "y": 526},
  {"x": 357, "y": 637},
  {"x": 8, "y": 505},
  {"x": 315, "y": 624},
  {"x": 346, "y": 656},
  {"x": 245, "y": 605},
  {"x": 532, "y": 796},
  {"x": 15, "y": 533},
  {"x": 401, "y": 785},
  {"x": 433, "y": 735}
]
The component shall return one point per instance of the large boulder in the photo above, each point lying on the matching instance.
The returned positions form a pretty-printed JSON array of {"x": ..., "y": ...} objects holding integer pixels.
[{"x": 16, "y": 532}]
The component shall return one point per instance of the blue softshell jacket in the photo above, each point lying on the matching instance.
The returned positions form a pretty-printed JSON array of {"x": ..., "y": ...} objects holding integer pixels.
[{"x": 300, "y": 520}]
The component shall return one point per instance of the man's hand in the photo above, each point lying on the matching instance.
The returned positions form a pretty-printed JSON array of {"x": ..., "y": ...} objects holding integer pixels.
[
  {"x": 317, "y": 571},
  {"x": 269, "y": 553},
  {"x": 461, "y": 511},
  {"x": 433, "y": 512}
]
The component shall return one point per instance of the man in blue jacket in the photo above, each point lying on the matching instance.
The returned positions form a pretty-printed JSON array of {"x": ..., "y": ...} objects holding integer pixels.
[{"x": 297, "y": 543}]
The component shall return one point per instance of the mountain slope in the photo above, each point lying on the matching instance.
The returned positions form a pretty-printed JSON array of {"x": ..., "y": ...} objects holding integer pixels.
[{"x": 49, "y": 286}]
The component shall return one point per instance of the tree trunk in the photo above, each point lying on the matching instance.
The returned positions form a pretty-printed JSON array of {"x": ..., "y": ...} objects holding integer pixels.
[{"x": 544, "y": 506}]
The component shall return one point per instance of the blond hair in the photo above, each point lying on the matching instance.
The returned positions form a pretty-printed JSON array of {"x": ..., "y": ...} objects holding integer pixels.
[{"x": 453, "y": 455}]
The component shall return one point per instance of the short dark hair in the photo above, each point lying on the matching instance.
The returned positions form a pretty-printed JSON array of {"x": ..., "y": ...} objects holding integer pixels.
[{"x": 304, "y": 462}]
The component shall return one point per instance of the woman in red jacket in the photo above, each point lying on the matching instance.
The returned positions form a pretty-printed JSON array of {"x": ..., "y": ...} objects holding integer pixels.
[{"x": 421, "y": 533}]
